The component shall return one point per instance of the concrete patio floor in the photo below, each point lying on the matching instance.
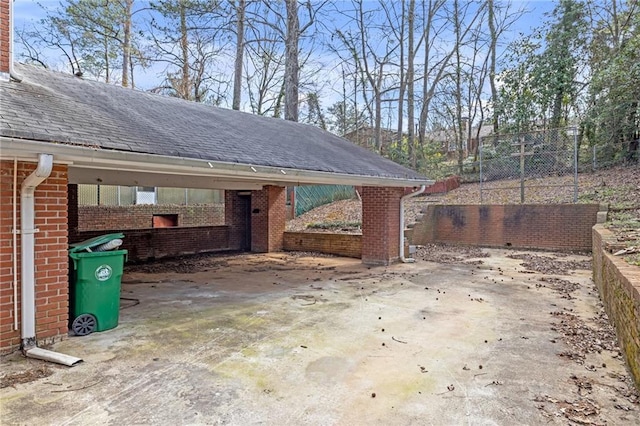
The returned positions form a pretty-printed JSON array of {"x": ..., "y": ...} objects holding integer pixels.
[{"x": 287, "y": 339}]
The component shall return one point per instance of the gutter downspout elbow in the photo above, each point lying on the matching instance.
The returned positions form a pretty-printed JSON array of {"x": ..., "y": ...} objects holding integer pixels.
[
  {"x": 13, "y": 75},
  {"x": 27, "y": 247},
  {"x": 27, "y": 252},
  {"x": 402, "y": 200}
]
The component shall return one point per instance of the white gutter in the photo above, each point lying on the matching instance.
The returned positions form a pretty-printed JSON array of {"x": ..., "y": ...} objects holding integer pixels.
[
  {"x": 106, "y": 159},
  {"x": 12, "y": 73},
  {"x": 402, "y": 200},
  {"x": 27, "y": 232}
]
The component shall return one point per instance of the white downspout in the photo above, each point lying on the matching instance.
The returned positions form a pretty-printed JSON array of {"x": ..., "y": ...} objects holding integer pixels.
[
  {"x": 12, "y": 73},
  {"x": 27, "y": 232},
  {"x": 402, "y": 200},
  {"x": 14, "y": 231}
]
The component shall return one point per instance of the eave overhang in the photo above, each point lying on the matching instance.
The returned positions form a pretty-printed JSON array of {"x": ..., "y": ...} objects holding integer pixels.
[{"x": 89, "y": 165}]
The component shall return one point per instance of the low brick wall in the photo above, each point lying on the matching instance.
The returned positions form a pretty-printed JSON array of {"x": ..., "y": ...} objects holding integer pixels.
[
  {"x": 444, "y": 186},
  {"x": 347, "y": 245},
  {"x": 141, "y": 216},
  {"x": 547, "y": 227},
  {"x": 619, "y": 287},
  {"x": 156, "y": 243}
]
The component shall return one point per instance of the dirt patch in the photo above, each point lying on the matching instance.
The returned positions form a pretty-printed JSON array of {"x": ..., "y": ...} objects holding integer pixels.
[
  {"x": 442, "y": 253},
  {"x": 183, "y": 265},
  {"x": 206, "y": 262},
  {"x": 39, "y": 372}
]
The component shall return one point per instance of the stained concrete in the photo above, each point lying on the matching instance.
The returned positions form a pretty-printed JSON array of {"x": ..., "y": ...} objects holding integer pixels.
[{"x": 282, "y": 339}]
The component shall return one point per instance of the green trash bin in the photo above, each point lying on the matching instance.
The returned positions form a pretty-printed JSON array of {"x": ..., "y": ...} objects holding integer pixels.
[{"x": 94, "y": 284}]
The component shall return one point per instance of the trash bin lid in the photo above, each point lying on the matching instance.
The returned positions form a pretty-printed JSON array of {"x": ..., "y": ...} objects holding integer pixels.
[{"x": 86, "y": 245}]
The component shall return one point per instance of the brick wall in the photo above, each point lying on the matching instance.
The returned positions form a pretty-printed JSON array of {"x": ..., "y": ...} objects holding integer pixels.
[
  {"x": 444, "y": 186},
  {"x": 148, "y": 244},
  {"x": 347, "y": 245},
  {"x": 268, "y": 219},
  {"x": 51, "y": 260},
  {"x": 619, "y": 287},
  {"x": 141, "y": 216},
  {"x": 549, "y": 227},
  {"x": 4, "y": 35},
  {"x": 380, "y": 224}
]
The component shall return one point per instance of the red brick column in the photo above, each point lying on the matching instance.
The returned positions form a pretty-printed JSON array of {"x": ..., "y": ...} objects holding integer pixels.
[
  {"x": 4, "y": 35},
  {"x": 268, "y": 219},
  {"x": 51, "y": 258},
  {"x": 380, "y": 224}
]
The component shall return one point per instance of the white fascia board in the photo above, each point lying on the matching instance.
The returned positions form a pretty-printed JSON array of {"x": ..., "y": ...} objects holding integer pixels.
[
  {"x": 81, "y": 175},
  {"x": 103, "y": 159}
]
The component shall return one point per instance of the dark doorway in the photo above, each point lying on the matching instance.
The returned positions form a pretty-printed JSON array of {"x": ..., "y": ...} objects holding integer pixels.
[{"x": 244, "y": 211}]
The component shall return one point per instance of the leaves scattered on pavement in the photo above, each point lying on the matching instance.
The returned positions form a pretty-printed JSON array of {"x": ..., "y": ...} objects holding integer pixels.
[
  {"x": 33, "y": 374},
  {"x": 442, "y": 253},
  {"x": 550, "y": 265}
]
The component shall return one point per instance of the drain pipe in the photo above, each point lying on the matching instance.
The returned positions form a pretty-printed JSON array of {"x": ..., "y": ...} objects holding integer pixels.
[
  {"x": 402, "y": 200},
  {"x": 27, "y": 232},
  {"x": 12, "y": 73},
  {"x": 14, "y": 231}
]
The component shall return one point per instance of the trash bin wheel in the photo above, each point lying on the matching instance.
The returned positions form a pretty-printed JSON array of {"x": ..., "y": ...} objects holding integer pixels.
[{"x": 84, "y": 324}]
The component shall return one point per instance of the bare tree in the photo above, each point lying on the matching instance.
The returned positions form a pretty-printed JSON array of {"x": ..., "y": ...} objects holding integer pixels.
[
  {"x": 493, "y": 37},
  {"x": 410, "y": 83},
  {"x": 186, "y": 41},
  {"x": 397, "y": 21},
  {"x": 292, "y": 71},
  {"x": 264, "y": 78}
]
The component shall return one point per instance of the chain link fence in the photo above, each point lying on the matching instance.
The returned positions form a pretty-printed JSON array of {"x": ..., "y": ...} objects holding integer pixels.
[
  {"x": 510, "y": 166},
  {"x": 592, "y": 158},
  {"x": 310, "y": 197}
]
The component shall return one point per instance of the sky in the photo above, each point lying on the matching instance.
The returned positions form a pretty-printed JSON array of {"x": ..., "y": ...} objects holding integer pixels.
[{"x": 27, "y": 13}]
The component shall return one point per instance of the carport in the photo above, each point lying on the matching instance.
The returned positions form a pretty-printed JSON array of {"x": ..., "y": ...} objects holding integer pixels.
[
  {"x": 59, "y": 130},
  {"x": 291, "y": 338}
]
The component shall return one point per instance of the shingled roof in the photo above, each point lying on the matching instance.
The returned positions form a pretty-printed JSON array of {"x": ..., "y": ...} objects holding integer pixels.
[{"x": 56, "y": 108}]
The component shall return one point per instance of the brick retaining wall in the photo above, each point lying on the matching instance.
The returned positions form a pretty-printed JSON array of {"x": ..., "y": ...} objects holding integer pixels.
[
  {"x": 347, "y": 245},
  {"x": 619, "y": 287},
  {"x": 544, "y": 226}
]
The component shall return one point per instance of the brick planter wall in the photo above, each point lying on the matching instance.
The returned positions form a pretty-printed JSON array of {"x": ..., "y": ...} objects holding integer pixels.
[
  {"x": 548, "y": 227},
  {"x": 619, "y": 287},
  {"x": 51, "y": 260},
  {"x": 347, "y": 245},
  {"x": 156, "y": 243},
  {"x": 94, "y": 218}
]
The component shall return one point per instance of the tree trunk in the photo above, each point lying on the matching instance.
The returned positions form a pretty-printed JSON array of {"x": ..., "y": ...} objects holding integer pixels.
[
  {"x": 401, "y": 89},
  {"x": 126, "y": 43},
  {"x": 291, "y": 62},
  {"x": 184, "y": 46},
  {"x": 237, "y": 76},
  {"x": 410, "y": 85},
  {"x": 458, "y": 91},
  {"x": 492, "y": 64}
]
